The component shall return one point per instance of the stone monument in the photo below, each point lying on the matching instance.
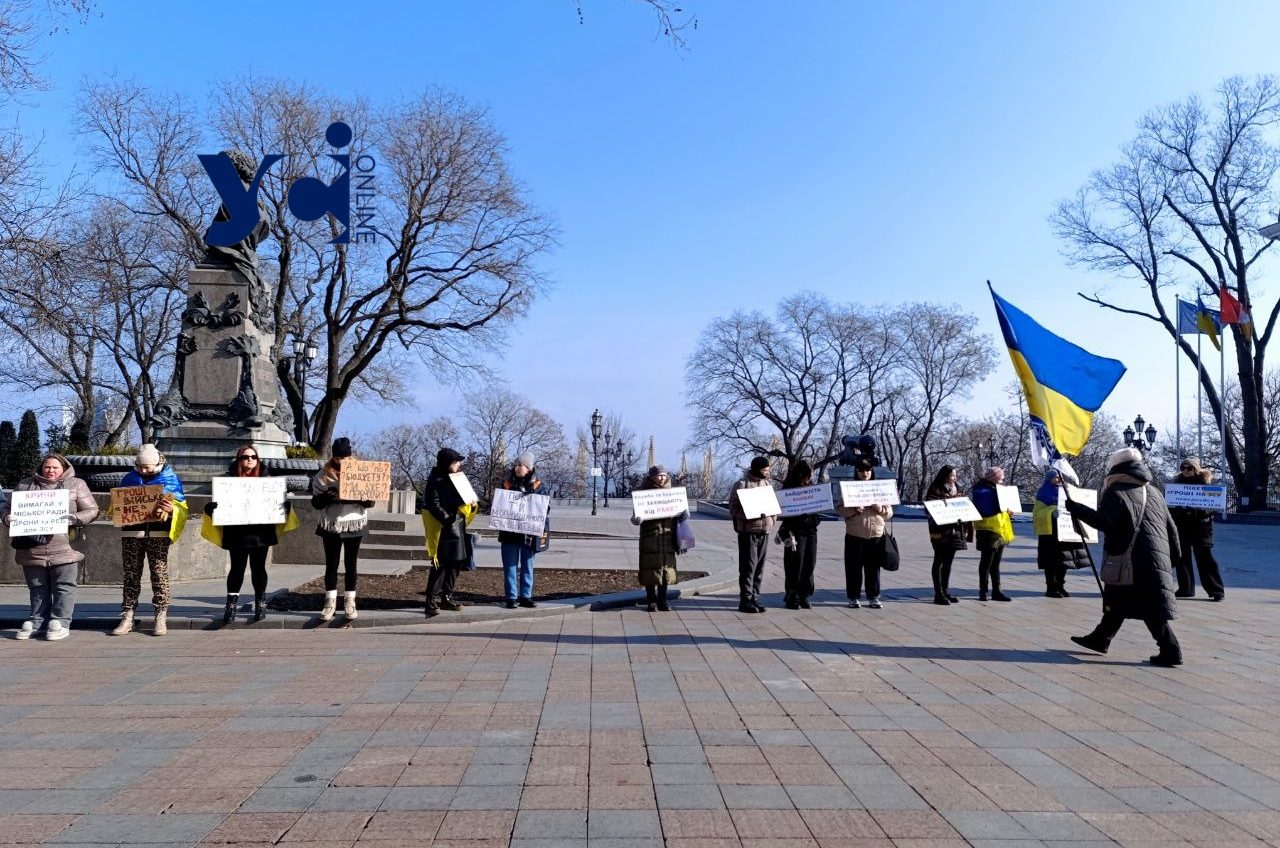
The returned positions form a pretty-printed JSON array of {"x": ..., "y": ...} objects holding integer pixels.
[{"x": 225, "y": 390}]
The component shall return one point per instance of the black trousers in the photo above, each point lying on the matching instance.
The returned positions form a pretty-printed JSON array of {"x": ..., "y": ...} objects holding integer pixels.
[
  {"x": 861, "y": 564},
  {"x": 440, "y": 581},
  {"x": 1210, "y": 576},
  {"x": 1055, "y": 578},
  {"x": 798, "y": 565},
  {"x": 752, "y": 550},
  {"x": 350, "y": 551},
  {"x": 941, "y": 571},
  {"x": 1160, "y": 631},
  {"x": 256, "y": 559},
  {"x": 989, "y": 566}
]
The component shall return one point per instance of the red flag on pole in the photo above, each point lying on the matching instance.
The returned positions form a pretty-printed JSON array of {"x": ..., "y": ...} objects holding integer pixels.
[{"x": 1233, "y": 311}]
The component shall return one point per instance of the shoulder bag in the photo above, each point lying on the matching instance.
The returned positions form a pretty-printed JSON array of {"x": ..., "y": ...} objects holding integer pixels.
[
  {"x": 1117, "y": 569},
  {"x": 890, "y": 558}
]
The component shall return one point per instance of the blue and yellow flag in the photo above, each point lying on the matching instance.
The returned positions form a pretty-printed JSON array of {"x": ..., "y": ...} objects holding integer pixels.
[{"x": 1064, "y": 383}]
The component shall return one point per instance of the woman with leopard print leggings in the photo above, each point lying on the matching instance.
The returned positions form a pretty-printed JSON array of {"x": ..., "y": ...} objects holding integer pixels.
[{"x": 149, "y": 541}]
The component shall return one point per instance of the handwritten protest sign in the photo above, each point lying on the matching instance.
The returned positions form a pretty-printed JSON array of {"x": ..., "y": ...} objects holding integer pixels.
[
  {"x": 759, "y": 500},
  {"x": 806, "y": 499},
  {"x": 518, "y": 512},
  {"x": 135, "y": 504},
  {"x": 650, "y": 504},
  {"x": 1066, "y": 529},
  {"x": 868, "y": 492},
  {"x": 364, "y": 480},
  {"x": 1010, "y": 499},
  {"x": 463, "y": 487},
  {"x": 1196, "y": 495},
  {"x": 250, "y": 500},
  {"x": 41, "y": 512},
  {"x": 951, "y": 510}
]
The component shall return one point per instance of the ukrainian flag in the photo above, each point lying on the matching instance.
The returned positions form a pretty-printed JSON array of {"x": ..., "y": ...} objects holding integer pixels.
[{"x": 1064, "y": 383}]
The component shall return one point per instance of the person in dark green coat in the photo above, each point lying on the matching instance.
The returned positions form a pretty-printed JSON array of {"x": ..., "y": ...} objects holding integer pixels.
[{"x": 658, "y": 547}]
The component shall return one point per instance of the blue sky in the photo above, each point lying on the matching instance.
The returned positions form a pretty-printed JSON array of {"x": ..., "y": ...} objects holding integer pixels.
[{"x": 874, "y": 152}]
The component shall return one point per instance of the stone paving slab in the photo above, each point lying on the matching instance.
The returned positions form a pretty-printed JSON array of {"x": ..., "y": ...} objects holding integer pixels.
[{"x": 976, "y": 724}]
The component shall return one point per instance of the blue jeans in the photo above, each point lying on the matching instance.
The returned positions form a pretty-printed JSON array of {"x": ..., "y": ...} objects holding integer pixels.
[
  {"x": 53, "y": 593},
  {"x": 517, "y": 560}
]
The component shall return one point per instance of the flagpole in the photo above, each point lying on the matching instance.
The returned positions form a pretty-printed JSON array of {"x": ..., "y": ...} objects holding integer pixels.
[
  {"x": 1177, "y": 378},
  {"x": 1199, "y": 402},
  {"x": 1222, "y": 409}
]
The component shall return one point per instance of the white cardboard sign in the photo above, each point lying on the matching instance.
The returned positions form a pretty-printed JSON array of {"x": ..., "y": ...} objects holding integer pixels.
[
  {"x": 759, "y": 500},
  {"x": 805, "y": 500},
  {"x": 869, "y": 492},
  {"x": 464, "y": 488},
  {"x": 951, "y": 510},
  {"x": 1197, "y": 495},
  {"x": 249, "y": 500},
  {"x": 651, "y": 504},
  {"x": 519, "y": 512},
  {"x": 39, "y": 512},
  {"x": 1066, "y": 527},
  {"x": 1010, "y": 499}
]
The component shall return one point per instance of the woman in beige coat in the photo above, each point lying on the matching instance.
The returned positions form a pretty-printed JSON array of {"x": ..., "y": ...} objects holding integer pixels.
[
  {"x": 49, "y": 563},
  {"x": 864, "y": 544}
]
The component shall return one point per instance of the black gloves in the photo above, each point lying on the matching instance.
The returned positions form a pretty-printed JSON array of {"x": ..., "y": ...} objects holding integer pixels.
[{"x": 210, "y": 507}]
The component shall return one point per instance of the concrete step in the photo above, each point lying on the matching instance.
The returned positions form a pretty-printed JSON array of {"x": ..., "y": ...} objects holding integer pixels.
[{"x": 397, "y": 552}]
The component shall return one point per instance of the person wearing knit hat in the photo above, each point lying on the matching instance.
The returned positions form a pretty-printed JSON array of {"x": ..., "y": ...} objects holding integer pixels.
[
  {"x": 659, "y": 544},
  {"x": 519, "y": 549},
  {"x": 341, "y": 525},
  {"x": 150, "y": 540},
  {"x": 753, "y": 538},
  {"x": 1053, "y": 556},
  {"x": 1195, "y": 533},
  {"x": 1140, "y": 545},
  {"x": 992, "y": 533},
  {"x": 449, "y": 515}
]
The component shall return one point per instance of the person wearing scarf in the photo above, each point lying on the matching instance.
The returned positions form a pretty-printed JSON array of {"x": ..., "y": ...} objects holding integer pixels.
[
  {"x": 992, "y": 533},
  {"x": 149, "y": 540},
  {"x": 1195, "y": 532},
  {"x": 248, "y": 544},
  {"x": 341, "y": 526},
  {"x": 1054, "y": 556},
  {"x": 945, "y": 540},
  {"x": 49, "y": 564},
  {"x": 1134, "y": 518},
  {"x": 659, "y": 545}
]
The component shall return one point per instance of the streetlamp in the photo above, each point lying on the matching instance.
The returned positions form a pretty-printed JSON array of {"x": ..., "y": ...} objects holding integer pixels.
[
  {"x": 608, "y": 464},
  {"x": 1133, "y": 436},
  {"x": 596, "y": 430},
  {"x": 304, "y": 353}
]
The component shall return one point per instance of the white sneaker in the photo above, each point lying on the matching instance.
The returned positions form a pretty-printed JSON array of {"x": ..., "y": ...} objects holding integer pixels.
[
  {"x": 349, "y": 606},
  {"x": 330, "y": 605},
  {"x": 57, "y": 631},
  {"x": 26, "y": 631}
]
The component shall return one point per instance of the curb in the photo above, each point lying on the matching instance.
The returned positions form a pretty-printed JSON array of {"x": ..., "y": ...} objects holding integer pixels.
[{"x": 724, "y": 579}]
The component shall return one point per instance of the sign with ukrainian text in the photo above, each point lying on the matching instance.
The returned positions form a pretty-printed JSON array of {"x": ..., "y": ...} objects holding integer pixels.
[
  {"x": 1066, "y": 527},
  {"x": 869, "y": 492},
  {"x": 1196, "y": 496},
  {"x": 651, "y": 504},
  {"x": 805, "y": 500},
  {"x": 250, "y": 500},
  {"x": 952, "y": 510},
  {"x": 518, "y": 512},
  {"x": 39, "y": 512}
]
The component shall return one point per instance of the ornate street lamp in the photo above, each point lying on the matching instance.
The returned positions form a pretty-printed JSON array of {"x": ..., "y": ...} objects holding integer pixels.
[
  {"x": 1134, "y": 436},
  {"x": 304, "y": 353},
  {"x": 596, "y": 430}
]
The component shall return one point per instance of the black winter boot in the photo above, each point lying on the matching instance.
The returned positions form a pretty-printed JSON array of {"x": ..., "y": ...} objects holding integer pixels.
[
  {"x": 229, "y": 612},
  {"x": 663, "y": 606},
  {"x": 259, "y": 607}
]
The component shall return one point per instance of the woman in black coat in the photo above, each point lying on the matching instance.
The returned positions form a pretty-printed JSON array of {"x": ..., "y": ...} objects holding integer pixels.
[
  {"x": 442, "y": 500},
  {"x": 946, "y": 539},
  {"x": 1133, "y": 516},
  {"x": 1195, "y": 532},
  {"x": 799, "y": 536}
]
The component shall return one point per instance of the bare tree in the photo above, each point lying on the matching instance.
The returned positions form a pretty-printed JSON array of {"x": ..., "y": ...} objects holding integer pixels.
[
  {"x": 673, "y": 21},
  {"x": 497, "y": 426},
  {"x": 1181, "y": 210},
  {"x": 411, "y": 449}
]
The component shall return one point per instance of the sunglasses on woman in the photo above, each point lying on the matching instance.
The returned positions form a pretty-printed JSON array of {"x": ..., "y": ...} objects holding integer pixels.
[{"x": 246, "y": 457}]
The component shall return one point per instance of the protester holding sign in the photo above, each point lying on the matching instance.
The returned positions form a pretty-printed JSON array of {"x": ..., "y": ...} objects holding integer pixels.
[
  {"x": 753, "y": 538},
  {"x": 49, "y": 563},
  {"x": 150, "y": 539},
  {"x": 659, "y": 544},
  {"x": 519, "y": 549},
  {"x": 248, "y": 544},
  {"x": 946, "y": 539},
  {"x": 799, "y": 538},
  {"x": 1140, "y": 546},
  {"x": 341, "y": 526},
  {"x": 993, "y": 532},
  {"x": 446, "y": 507},
  {"x": 864, "y": 529},
  {"x": 1195, "y": 532},
  {"x": 1054, "y": 555}
]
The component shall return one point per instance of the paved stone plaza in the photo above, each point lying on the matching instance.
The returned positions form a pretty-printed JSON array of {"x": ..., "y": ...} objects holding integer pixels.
[{"x": 910, "y": 726}]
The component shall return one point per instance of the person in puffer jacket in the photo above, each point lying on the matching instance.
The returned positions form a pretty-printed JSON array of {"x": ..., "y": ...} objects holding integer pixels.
[
  {"x": 1195, "y": 531},
  {"x": 992, "y": 533},
  {"x": 49, "y": 563}
]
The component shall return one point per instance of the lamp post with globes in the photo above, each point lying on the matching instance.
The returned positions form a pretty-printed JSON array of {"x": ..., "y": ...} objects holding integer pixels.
[
  {"x": 1133, "y": 436},
  {"x": 597, "y": 427},
  {"x": 304, "y": 353}
]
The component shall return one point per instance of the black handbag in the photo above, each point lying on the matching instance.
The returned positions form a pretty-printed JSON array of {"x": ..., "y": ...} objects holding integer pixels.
[{"x": 890, "y": 558}]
